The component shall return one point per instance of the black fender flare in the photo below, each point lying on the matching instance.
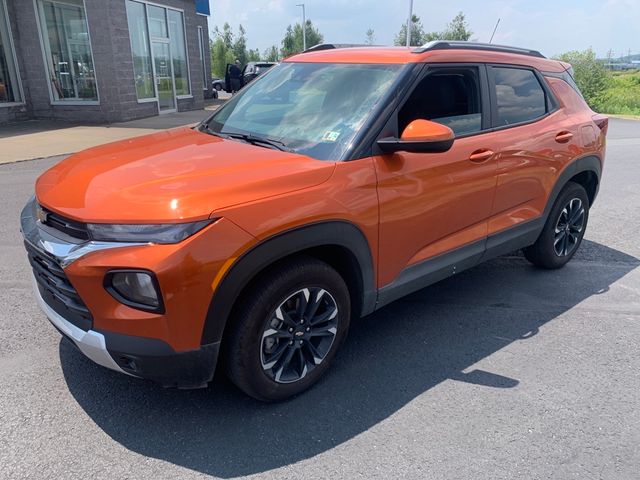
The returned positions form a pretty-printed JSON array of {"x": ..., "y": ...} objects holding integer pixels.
[
  {"x": 329, "y": 233},
  {"x": 589, "y": 163}
]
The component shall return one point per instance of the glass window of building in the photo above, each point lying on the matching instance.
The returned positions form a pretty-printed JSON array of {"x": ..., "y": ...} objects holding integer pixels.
[
  {"x": 9, "y": 81},
  {"x": 178, "y": 52},
  {"x": 157, "y": 21},
  {"x": 142, "y": 64},
  {"x": 65, "y": 36},
  {"x": 159, "y": 49}
]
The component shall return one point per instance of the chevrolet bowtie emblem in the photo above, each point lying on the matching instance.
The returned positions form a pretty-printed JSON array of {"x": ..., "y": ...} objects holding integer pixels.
[{"x": 41, "y": 215}]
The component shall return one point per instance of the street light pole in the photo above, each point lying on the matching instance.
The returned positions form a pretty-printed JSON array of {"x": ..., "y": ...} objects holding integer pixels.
[
  {"x": 304, "y": 27},
  {"x": 409, "y": 23}
]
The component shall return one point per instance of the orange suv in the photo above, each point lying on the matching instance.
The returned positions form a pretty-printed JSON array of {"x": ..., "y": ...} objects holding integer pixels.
[{"x": 339, "y": 181}]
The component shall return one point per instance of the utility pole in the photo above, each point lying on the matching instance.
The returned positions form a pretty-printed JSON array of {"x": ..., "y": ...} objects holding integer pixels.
[
  {"x": 494, "y": 30},
  {"x": 304, "y": 27},
  {"x": 409, "y": 23}
]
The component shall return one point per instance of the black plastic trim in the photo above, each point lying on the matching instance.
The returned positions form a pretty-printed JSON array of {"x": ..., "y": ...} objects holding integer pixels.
[
  {"x": 589, "y": 163},
  {"x": 155, "y": 360},
  {"x": 428, "y": 272},
  {"x": 338, "y": 233},
  {"x": 108, "y": 286},
  {"x": 392, "y": 144},
  {"x": 463, "y": 45}
]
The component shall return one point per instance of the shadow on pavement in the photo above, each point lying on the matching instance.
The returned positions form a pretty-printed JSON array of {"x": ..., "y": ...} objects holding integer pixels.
[{"x": 390, "y": 358}]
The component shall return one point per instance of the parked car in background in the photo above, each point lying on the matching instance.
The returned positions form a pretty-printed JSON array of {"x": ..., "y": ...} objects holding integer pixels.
[
  {"x": 253, "y": 70},
  {"x": 250, "y": 72},
  {"x": 342, "y": 181},
  {"x": 217, "y": 84}
]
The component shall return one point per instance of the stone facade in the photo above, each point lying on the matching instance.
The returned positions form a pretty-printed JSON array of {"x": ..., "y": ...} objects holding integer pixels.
[{"x": 113, "y": 63}]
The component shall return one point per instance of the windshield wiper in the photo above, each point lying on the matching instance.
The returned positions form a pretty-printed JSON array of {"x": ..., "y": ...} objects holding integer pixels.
[{"x": 257, "y": 140}]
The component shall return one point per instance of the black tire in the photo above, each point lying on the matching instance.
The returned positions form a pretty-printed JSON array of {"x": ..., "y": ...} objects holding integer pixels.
[
  {"x": 218, "y": 87},
  {"x": 549, "y": 250},
  {"x": 249, "y": 348}
]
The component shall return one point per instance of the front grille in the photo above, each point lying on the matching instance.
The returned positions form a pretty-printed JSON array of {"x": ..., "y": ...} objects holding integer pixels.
[
  {"x": 70, "y": 227},
  {"x": 56, "y": 290}
]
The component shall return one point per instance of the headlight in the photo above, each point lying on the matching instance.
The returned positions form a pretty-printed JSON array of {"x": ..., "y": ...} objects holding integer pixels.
[
  {"x": 135, "y": 288},
  {"x": 159, "y": 233}
]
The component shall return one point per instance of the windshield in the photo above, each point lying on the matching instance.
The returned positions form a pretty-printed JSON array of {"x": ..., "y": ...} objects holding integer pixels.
[{"x": 315, "y": 109}]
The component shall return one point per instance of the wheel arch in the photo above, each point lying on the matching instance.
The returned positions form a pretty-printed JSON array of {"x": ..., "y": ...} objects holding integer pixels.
[
  {"x": 586, "y": 171},
  {"x": 339, "y": 243}
]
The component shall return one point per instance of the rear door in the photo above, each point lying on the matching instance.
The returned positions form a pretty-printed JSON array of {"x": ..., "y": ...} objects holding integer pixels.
[
  {"x": 434, "y": 203},
  {"x": 532, "y": 140}
]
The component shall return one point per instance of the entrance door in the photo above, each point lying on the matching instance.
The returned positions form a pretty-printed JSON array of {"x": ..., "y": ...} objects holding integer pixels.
[{"x": 163, "y": 70}]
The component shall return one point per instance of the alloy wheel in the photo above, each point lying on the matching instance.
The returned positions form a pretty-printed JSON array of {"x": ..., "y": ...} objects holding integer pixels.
[
  {"x": 299, "y": 335},
  {"x": 569, "y": 227}
]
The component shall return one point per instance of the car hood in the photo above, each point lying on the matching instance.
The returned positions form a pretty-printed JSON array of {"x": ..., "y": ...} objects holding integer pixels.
[{"x": 172, "y": 176}]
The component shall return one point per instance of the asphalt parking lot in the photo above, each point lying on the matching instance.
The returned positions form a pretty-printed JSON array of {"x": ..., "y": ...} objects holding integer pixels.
[{"x": 502, "y": 372}]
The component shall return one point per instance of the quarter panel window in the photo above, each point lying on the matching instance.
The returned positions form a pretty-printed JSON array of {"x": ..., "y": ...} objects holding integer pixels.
[
  {"x": 519, "y": 95},
  {"x": 450, "y": 96}
]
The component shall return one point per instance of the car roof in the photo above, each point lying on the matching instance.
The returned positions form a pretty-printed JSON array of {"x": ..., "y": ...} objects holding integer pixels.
[{"x": 437, "y": 52}]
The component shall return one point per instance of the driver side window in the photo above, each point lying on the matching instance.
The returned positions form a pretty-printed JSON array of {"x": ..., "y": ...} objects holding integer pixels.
[{"x": 450, "y": 96}]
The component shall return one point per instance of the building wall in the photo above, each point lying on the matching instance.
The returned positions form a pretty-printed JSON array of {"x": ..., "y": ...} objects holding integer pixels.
[{"x": 113, "y": 63}]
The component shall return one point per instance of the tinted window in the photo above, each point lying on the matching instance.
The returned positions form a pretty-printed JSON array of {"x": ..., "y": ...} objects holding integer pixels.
[
  {"x": 519, "y": 95},
  {"x": 447, "y": 96}
]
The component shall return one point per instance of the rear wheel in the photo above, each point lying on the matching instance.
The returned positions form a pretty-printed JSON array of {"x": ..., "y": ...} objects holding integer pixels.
[
  {"x": 288, "y": 330},
  {"x": 218, "y": 87},
  {"x": 563, "y": 231}
]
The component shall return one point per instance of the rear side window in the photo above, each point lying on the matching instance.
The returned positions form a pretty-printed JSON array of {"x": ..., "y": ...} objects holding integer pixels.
[{"x": 519, "y": 95}]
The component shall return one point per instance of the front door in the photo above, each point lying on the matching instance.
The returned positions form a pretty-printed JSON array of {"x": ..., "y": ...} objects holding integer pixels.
[
  {"x": 163, "y": 70},
  {"x": 435, "y": 203}
]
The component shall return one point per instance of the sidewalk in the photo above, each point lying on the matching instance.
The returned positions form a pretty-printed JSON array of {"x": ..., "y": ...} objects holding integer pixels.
[{"x": 47, "y": 138}]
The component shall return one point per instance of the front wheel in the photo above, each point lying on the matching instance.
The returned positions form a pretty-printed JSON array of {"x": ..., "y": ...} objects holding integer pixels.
[
  {"x": 288, "y": 330},
  {"x": 563, "y": 231}
]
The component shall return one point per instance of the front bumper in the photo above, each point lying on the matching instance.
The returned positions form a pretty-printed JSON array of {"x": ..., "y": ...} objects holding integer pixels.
[
  {"x": 91, "y": 343},
  {"x": 140, "y": 357},
  {"x": 133, "y": 354}
]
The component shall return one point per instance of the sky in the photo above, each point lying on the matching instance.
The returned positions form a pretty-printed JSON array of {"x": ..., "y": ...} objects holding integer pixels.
[{"x": 551, "y": 26}]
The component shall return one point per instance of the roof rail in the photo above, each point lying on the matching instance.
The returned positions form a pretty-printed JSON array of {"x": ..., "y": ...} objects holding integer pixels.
[
  {"x": 459, "y": 44},
  {"x": 330, "y": 46}
]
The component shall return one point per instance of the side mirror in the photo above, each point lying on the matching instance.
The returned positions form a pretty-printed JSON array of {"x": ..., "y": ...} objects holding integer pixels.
[{"x": 420, "y": 136}]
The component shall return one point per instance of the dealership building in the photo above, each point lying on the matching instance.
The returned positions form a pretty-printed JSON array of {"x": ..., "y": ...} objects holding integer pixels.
[{"x": 102, "y": 60}]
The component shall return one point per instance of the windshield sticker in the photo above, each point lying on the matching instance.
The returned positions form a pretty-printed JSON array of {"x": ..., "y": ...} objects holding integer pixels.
[{"x": 330, "y": 136}]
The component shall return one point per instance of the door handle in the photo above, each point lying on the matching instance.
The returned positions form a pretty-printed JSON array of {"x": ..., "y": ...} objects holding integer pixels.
[
  {"x": 480, "y": 156},
  {"x": 564, "y": 137}
]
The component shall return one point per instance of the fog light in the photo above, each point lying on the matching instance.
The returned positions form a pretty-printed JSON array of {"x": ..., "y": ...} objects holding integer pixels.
[{"x": 135, "y": 288}]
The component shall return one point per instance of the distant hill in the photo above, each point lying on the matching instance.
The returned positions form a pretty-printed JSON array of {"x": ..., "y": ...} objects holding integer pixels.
[{"x": 623, "y": 59}]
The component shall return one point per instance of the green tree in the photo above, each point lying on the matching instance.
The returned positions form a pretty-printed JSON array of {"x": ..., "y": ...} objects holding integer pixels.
[
  {"x": 272, "y": 54},
  {"x": 590, "y": 75},
  {"x": 226, "y": 46},
  {"x": 371, "y": 37},
  {"x": 417, "y": 33},
  {"x": 220, "y": 56},
  {"x": 240, "y": 45},
  {"x": 457, "y": 29},
  {"x": 253, "y": 55},
  {"x": 292, "y": 42}
]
